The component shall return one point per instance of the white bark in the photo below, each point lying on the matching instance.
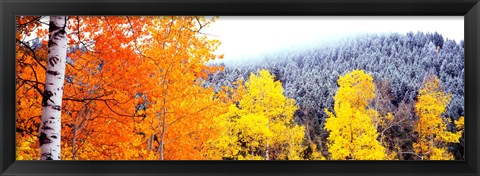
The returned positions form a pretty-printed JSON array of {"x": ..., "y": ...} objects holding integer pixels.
[
  {"x": 266, "y": 152},
  {"x": 50, "y": 128}
]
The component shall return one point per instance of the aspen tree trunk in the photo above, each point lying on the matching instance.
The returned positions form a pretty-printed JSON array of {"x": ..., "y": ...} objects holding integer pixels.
[
  {"x": 50, "y": 128},
  {"x": 267, "y": 149},
  {"x": 150, "y": 144},
  {"x": 74, "y": 139},
  {"x": 266, "y": 153},
  {"x": 164, "y": 128}
]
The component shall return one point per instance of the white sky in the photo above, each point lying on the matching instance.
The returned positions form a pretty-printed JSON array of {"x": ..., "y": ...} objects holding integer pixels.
[{"x": 248, "y": 36}]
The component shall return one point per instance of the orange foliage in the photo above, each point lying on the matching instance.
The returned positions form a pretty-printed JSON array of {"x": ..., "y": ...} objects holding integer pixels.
[
  {"x": 121, "y": 74},
  {"x": 181, "y": 111}
]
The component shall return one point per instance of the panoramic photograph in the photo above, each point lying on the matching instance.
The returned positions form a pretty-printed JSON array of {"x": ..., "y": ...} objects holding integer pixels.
[{"x": 240, "y": 88}]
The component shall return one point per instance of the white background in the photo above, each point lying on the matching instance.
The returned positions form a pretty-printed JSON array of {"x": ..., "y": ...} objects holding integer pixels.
[{"x": 244, "y": 37}]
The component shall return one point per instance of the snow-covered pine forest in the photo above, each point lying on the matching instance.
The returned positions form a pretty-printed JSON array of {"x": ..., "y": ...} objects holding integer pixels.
[{"x": 398, "y": 63}]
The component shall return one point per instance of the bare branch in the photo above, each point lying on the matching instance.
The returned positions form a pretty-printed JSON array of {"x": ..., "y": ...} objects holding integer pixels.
[{"x": 413, "y": 153}]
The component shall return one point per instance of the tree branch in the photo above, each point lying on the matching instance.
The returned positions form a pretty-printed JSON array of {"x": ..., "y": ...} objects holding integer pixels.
[
  {"x": 33, "y": 52},
  {"x": 33, "y": 20},
  {"x": 413, "y": 153}
]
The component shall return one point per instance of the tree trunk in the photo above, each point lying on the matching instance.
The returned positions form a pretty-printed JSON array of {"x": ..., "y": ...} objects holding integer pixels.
[
  {"x": 150, "y": 143},
  {"x": 74, "y": 139},
  {"x": 266, "y": 153},
  {"x": 50, "y": 129},
  {"x": 164, "y": 128},
  {"x": 266, "y": 148}
]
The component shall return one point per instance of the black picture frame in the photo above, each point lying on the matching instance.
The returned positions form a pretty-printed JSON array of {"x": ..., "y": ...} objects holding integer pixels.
[{"x": 470, "y": 9}]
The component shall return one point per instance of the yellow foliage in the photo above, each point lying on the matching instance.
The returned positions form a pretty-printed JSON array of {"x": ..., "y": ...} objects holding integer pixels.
[
  {"x": 352, "y": 131},
  {"x": 431, "y": 127},
  {"x": 316, "y": 154},
  {"x": 27, "y": 149},
  {"x": 264, "y": 95},
  {"x": 460, "y": 123},
  {"x": 440, "y": 154},
  {"x": 261, "y": 126}
]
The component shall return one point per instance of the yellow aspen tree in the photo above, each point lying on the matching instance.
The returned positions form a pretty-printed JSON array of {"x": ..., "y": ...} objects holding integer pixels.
[
  {"x": 433, "y": 136},
  {"x": 352, "y": 134},
  {"x": 261, "y": 126}
]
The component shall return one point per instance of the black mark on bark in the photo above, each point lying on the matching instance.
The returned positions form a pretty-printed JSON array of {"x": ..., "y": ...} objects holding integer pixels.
[
  {"x": 52, "y": 27},
  {"x": 51, "y": 43},
  {"x": 54, "y": 137},
  {"x": 53, "y": 61},
  {"x": 46, "y": 97},
  {"x": 48, "y": 156},
  {"x": 57, "y": 107},
  {"x": 62, "y": 31},
  {"x": 44, "y": 139},
  {"x": 55, "y": 73},
  {"x": 56, "y": 31},
  {"x": 46, "y": 127}
]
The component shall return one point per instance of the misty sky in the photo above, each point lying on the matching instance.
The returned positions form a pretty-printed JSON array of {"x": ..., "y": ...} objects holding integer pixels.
[{"x": 244, "y": 37}]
